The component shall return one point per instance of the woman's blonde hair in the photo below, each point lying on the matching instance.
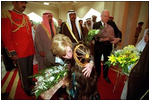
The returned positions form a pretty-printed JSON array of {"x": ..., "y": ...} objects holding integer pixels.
[{"x": 59, "y": 44}]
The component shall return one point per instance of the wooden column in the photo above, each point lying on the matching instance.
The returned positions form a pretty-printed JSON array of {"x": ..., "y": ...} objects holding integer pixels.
[{"x": 134, "y": 10}]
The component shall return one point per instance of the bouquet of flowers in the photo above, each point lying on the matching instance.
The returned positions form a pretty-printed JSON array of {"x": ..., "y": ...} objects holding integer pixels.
[
  {"x": 48, "y": 78},
  {"x": 92, "y": 33},
  {"x": 90, "y": 36},
  {"x": 124, "y": 58},
  {"x": 102, "y": 32}
]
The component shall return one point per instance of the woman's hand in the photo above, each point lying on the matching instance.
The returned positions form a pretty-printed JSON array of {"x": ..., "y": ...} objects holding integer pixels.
[
  {"x": 88, "y": 69},
  {"x": 116, "y": 40}
]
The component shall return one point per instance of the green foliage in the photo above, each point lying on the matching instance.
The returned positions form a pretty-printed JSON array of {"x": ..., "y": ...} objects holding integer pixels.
[{"x": 92, "y": 33}]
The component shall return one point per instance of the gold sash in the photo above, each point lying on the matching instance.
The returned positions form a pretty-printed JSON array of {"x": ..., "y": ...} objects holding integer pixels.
[
  {"x": 72, "y": 33},
  {"x": 46, "y": 31}
]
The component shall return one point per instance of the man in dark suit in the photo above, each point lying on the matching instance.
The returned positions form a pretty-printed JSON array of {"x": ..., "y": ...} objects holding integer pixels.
[{"x": 104, "y": 45}]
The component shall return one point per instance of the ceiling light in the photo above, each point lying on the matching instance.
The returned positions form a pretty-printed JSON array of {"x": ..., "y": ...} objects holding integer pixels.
[{"x": 46, "y": 3}]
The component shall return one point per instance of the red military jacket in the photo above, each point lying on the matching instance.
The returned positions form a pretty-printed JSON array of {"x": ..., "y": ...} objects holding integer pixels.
[{"x": 17, "y": 34}]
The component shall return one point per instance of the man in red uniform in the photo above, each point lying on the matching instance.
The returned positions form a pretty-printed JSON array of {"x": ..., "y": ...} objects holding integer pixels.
[{"x": 17, "y": 39}]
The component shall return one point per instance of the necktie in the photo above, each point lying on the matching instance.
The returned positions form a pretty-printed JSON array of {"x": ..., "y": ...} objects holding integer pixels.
[
  {"x": 52, "y": 33},
  {"x": 105, "y": 25}
]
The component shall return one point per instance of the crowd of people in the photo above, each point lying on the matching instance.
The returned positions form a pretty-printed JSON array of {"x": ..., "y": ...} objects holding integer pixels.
[{"x": 51, "y": 45}]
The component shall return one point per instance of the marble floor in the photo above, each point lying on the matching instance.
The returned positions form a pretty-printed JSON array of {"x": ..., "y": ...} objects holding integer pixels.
[{"x": 3, "y": 70}]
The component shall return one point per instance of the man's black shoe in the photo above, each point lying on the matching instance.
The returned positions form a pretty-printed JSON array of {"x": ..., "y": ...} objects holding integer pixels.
[
  {"x": 29, "y": 92},
  {"x": 107, "y": 79}
]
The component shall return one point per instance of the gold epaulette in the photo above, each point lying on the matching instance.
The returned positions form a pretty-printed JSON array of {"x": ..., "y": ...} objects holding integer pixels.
[{"x": 6, "y": 14}]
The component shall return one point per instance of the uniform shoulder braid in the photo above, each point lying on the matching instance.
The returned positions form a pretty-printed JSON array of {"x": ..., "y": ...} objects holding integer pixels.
[{"x": 6, "y": 14}]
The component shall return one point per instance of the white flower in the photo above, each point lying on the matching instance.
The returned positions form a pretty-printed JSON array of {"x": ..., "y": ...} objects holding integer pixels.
[
  {"x": 61, "y": 68},
  {"x": 39, "y": 78},
  {"x": 56, "y": 71},
  {"x": 51, "y": 78},
  {"x": 42, "y": 85},
  {"x": 47, "y": 75},
  {"x": 49, "y": 71},
  {"x": 36, "y": 91},
  {"x": 118, "y": 51}
]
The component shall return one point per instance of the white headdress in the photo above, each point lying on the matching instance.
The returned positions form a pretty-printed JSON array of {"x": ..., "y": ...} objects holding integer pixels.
[
  {"x": 76, "y": 22},
  {"x": 141, "y": 45},
  {"x": 87, "y": 26}
]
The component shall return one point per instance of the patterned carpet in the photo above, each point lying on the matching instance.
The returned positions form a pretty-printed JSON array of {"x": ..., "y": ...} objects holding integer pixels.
[{"x": 11, "y": 87}]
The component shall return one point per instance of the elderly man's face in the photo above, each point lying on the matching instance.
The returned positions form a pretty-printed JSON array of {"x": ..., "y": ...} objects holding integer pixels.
[
  {"x": 88, "y": 23},
  {"x": 105, "y": 16},
  {"x": 72, "y": 16}
]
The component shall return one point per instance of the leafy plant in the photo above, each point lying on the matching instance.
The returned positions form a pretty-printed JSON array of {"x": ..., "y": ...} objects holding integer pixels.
[{"x": 124, "y": 58}]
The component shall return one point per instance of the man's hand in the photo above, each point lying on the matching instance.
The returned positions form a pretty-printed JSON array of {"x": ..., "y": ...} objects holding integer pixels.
[
  {"x": 103, "y": 39},
  {"x": 88, "y": 69},
  {"x": 116, "y": 40},
  {"x": 42, "y": 54},
  {"x": 14, "y": 57}
]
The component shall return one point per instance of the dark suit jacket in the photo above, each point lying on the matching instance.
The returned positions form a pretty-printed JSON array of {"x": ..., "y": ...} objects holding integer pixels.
[
  {"x": 107, "y": 44},
  {"x": 99, "y": 46},
  {"x": 117, "y": 32}
]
